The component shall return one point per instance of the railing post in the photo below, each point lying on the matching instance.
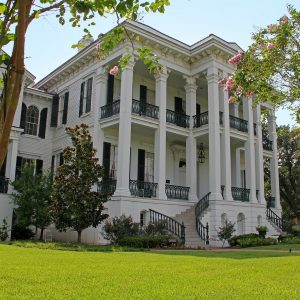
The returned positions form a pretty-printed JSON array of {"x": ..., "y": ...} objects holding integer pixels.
[{"x": 207, "y": 234}]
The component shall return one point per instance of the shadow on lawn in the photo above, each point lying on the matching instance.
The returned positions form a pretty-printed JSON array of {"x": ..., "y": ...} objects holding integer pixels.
[{"x": 234, "y": 254}]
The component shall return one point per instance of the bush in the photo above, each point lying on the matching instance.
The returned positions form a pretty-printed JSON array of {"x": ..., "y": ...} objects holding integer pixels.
[
  {"x": 290, "y": 239},
  {"x": 258, "y": 241},
  {"x": 296, "y": 230},
  {"x": 234, "y": 240},
  {"x": 19, "y": 232},
  {"x": 146, "y": 241},
  {"x": 118, "y": 228},
  {"x": 157, "y": 228},
  {"x": 262, "y": 231},
  {"x": 4, "y": 231}
]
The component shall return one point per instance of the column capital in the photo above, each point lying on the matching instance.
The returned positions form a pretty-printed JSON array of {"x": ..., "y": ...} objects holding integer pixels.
[
  {"x": 190, "y": 83},
  {"x": 163, "y": 74},
  {"x": 101, "y": 73}
]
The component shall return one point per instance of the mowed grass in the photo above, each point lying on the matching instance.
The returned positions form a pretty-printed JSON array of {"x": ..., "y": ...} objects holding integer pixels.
[{"x": 30, "y": 273}]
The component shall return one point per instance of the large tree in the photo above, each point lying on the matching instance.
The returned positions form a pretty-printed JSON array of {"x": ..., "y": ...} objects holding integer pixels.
[
  {"x": 32, "y": 197},
  {"x": 17, "y": 15},
  {"x": 270, "y": 67},
  {"x": 75, "y": 204}
]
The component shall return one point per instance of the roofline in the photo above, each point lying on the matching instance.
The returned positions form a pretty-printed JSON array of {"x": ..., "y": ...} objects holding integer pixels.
[{"x": 38, "y": 92}]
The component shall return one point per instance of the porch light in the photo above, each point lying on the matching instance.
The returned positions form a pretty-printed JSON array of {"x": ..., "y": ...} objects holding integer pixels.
[{"x": 201, "y": 154}]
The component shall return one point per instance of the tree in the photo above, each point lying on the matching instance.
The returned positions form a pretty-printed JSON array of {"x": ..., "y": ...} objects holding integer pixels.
[
  {"x": 226, "y": 231},
  {"x": 4, "y": 231},
  {"x": 32, "y": 197},
  {"x": 270, "y": 68},
  {"x": 17, "y": 15},
  {"x": 74, "y": 203}
]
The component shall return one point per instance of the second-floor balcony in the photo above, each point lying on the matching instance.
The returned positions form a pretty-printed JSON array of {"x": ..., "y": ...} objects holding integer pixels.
[
  {"x": 143, "y": 108},
  {"x": 178, "y": 119},
  {"x": 110, "y": 109},
  {"x": 202, "y": 119},
  {"x": 239, "y": 124}
]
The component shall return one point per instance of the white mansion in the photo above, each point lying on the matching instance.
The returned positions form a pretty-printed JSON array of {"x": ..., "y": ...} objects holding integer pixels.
[{"x": 172, "y": 146}]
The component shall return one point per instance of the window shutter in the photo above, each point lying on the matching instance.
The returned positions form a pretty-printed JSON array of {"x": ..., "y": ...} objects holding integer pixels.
[
  {"x": 143, "y": 93},
  {"x": 18, "y": 166},
  {"x": 89, "y": 95},
  {"x": 110, "y": 89},
  {"x": 54, "y": 112},
  {"x": 65, "y": 111},
  {"x": 178, "y": 105},
  {"x": 3, "y": 168},
  {"x": 39, "y": 166},
  {"x": 106, "y": 160},
  {"x": 23, "y": 116},
  {"x": 141, "y": 165},
  {"x": 52, "y": 163},
  {"x": 198, "y": 109},
  {"x": 81, "y": 98},
  {"x": 43, "y": 123},
  {"x": 61, "y": 158}
]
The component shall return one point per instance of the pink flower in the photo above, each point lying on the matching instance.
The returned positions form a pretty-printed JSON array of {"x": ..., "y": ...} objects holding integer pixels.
[
  {"x": 239, "y": 89},
  {"x": 283, "y": 20},
  {"x": 97, "y": 46},
  {"x": 250, "y": 94},
  {"x": 228, "y": 85},
  {"x": 270, "y": 46},
  {"x": 222, "y": 81},
  {"x": 272, "y": 28},
  {"x": 236, "y": 58},
  {"x": 114, "y": 71},
  {"x": 231, "y": 100}
]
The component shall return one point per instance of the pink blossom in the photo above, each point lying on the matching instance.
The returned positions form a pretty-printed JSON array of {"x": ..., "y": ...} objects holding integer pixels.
[
  {"x": 250, "y": 94},
  {"x": 97, "y": 46},
  {"x": 272, "y": 28},
  {"x": 270, "y": 45},
  {"x": 229, "y": 84},
  {"x": 236, "y": 58},
  {"x": 114, "y": 71},
  {"x": 231, "y": 100},
  {"x": 239, "y": 89},
  {"x": 222, "y": 81},
  {"x": 283, "y": 20}
]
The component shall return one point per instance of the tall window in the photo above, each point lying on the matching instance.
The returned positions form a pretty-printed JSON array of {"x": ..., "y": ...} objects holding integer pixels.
[
  {"x": 113, "y": 162},
  {"x": 32, "y": 120},
  {"x": 149, "y": 167},
  {"x": 85, "y": 102}
]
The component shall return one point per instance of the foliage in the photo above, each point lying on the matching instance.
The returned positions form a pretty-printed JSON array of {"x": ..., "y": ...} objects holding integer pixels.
[
  {"x": 4, "y": 230},
  {"x": 226, "y": 231},
  {"x": 156, "y": 228},
  {"x": 74, "y": 203},
  {"x": 296, "y": 230},
  {"x": 234, "y": 240},
  {"x": 21, "y": 232},
  {"x": 118, "y": 228},
  {"x": 270, "y": 68},
  {"x": 251, "y": 240},
  {"x": 32, "y": 196},
  {"x": 262, "y": 231},
  {"x": 290, "y": 239},
  {"x": 145, "y": 241}
]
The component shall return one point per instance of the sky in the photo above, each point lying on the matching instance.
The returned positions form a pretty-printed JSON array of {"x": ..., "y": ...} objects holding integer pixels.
[{"x": 48, "y": 44}]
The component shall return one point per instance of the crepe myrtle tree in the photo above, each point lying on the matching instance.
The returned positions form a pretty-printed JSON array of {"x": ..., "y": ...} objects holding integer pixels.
[
  {"x": 270, "y": 68},
  {"x": 16, "y": 16},
  {"x": 74, "y": 203}
]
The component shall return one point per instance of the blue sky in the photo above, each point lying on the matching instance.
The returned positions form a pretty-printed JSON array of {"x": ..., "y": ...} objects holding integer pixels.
[{"x": 49, "y": 44}]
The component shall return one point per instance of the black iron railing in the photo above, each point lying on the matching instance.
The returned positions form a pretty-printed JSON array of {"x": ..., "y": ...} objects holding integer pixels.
[
  {"x": 178, "y": 119},
  {"x": 143, "y": 108},
  {"x": 142, "y": 188},
  {"x": 270, "y": 201},
  {"x": 255, "y": 129},
  {"x": 171, "y": 224},
  {"x": 4, "y": 185},
  {"x": 239, "y": 124},
  {"x": 240, "y": 194},
  {"x": 107, "y": 187},
  {"x": 202, "y": 230},
  {"x": 200, "y": 120},
  {"x": 177, "y": 192},
  {"x": 274, "y": 218},
  {"x": 267, "y": 144},
  {"x": 221, "y": 118},
  {"x": 110, "y": 109}
]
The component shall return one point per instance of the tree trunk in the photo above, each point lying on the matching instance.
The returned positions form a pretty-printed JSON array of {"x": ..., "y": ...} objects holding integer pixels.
[
  {"x": 42, "y": 234},
  {"x": 79, "y": 236}
]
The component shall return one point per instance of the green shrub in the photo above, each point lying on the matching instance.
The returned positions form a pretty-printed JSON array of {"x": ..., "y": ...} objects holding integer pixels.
[
  {"x": 290, "y": 239},
  {"x": 157, "y": 228},
  {"x": 296, "y": 230},
  {"x": 146, "y": 241},
  {"x": 256, "y": 241},
  {"x": 262, "y": 231},
  {"x": 19, "y": 232},
  {"x": 234, "y": 240},
  {"x": 4, "y": 231}
]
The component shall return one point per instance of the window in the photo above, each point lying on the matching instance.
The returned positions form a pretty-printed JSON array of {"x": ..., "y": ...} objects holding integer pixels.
[
  {"x": 32, "y": 120},
  {"x": 113, "y": 162},
  {"x": 149, "y": 167},
  {"x": 85, "y": 102}
]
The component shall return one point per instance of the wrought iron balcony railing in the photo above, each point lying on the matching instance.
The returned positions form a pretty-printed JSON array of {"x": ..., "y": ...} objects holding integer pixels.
[
  {"x": 201, "y": 119},
  {"x": 177, "y": 192},
  {"x": 178, "y": 119},
  {"x": 239, "y": 124},
  {"x": 107, "y": 187},
  {"x": 267, "y": 144},
  {"x": 4, "y": 185},
  {"x": 240, "y": 194},
  {"x": 142, "y": 189},
  {"x": 143, "y": 108},
  {"x": 110, "y": 109}
]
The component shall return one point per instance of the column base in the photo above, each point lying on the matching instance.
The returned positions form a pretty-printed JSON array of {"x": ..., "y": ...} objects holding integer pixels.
[
  {"x": 228, "y": 196},
  {"x": 122, "y": 192},
  {"x": 162, "y": 195},
  {"x": 215, "y": 196},
  {"x": 193, "y": 198}
]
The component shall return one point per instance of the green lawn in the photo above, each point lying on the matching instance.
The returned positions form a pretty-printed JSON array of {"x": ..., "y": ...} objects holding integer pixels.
[{"x": 31, "y": 273}]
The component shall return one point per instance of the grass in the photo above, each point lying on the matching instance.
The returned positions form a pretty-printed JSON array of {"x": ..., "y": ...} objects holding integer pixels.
[
  {"x": 32, "y": 273},
  {"x": 282, "y": 247}
]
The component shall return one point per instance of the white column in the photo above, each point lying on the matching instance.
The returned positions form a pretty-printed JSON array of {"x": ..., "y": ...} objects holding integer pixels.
[
  {"x": 124, "y": 141},
  {"x": 160, "y": 133},
  {"x": 214, "y": 134},
  {"x": 238, "y": 167},
  {"x": 99, "y": 101},
  {"x": 225, "y": 142},
  {"x": 191, "y": 144},
  {"x": 259, "y": 159},
  {"x": 274, "y": 160},
  {"x": 249, "y": 150}
]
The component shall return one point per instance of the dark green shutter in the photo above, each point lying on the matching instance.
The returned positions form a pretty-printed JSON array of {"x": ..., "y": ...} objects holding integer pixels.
[
  {"x": 52, "y": 163},
  {"x": 106, "y": 160},
  {"x": 141, "y": 165},
  {"x": 143, "y": 93},
  {"x": 81, "y": 98},
  {"x": 18, "y": 166},
  {"x": 88, "y": 103},
  {"x": 54, "y": 112},
  {"x": 23, "y": 116},
  {"x": 198, "y": 109},
  {"x": 178, "y": 105},
  {"x": 110, "y": 89},
  {"x": 39, "y": 166},
  {"x": 43, "y": 123},
  {"x": 65, "y": 111}
]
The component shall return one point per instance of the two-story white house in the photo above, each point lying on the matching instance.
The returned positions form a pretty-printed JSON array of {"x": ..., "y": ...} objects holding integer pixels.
[{"x": 171, "y": 145}]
